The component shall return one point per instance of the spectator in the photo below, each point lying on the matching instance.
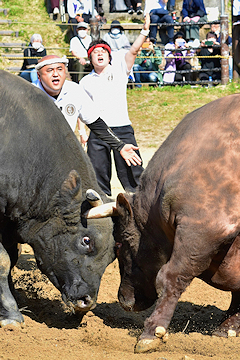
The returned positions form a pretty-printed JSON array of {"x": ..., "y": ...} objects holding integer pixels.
[
  {"x": 159, "y": 14},
  {"x": 207, "y": 64},
  {"x": 174, "y": 54},
  {"x": 80, "y": 11},
  {"x": 116, "y": 38},
  {"x": 31, "y": 54},
  {"x": 146, "y": 65},
  {"x": 106, "y": 86},
  {"x": 78, "y": 47},
  {"x": 75, "y": 104},
  {"x": 193, "y": 11}
]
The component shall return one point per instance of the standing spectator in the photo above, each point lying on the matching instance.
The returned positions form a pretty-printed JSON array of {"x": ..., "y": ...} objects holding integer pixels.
[
  {"x": 78, "y": 47},
  {"x": 31, "y": 54},
  {"x": 193, "y": 11},
  {"x": 116, "y": 38},
  {"x": 207, "y": 64},
  {"x": 106, "y": 86},
  {"x": 159, "y": 14},
  {"x": 80, "y": 11},
  {"x": 146, "y": 65},
  {"x": 174, "y": 54}
]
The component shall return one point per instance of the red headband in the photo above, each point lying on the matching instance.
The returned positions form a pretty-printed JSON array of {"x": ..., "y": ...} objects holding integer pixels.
[{"x": 105, "y": 46}]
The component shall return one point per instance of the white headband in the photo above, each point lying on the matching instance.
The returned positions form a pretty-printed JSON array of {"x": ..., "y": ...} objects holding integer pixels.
[{"x": 63, "y": 60}]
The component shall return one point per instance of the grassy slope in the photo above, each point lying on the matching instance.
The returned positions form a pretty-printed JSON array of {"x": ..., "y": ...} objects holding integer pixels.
[
  {"x": 154, "y": 113},
  {"x": 32, "y": 17}
]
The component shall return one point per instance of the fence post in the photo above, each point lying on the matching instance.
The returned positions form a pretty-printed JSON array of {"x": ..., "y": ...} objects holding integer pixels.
[
  {"x": 94, "y": 27},
  {"x": 224, "y": 49}
]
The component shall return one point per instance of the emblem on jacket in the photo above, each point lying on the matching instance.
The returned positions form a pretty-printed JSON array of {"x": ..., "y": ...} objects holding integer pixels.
[{"x": 70, "y": 109}]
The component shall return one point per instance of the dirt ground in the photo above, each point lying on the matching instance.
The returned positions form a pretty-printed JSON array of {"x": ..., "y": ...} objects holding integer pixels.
[{"x": 108, "y": 332}]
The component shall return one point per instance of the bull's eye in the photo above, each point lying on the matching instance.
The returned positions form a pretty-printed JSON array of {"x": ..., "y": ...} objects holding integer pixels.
[{"x": 85, "y": 241}]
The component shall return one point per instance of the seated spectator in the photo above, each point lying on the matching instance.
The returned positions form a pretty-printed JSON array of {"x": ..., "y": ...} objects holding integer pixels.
[
  {"x": 193, "y": 11},
  {"x": 31, "y": 54},
  {"x": 78, "y": 47},
  {"x": 174, "y": 55},
  {"x": 80, "y": 11},
  {"x": 208, "y": 49},
  {"x": 159, "y": 14},
  {"x": 116, "y": 38},
  {"x": 146, "y": 65}
]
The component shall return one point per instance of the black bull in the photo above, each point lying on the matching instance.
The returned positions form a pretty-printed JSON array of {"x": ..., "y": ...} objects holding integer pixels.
[
  {"x": 184, "y": 220},
  {"x": 44, "y": 174}
]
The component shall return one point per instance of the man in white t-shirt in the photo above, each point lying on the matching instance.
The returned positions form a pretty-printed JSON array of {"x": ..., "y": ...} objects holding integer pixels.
[
  {"x": 78, "y": 47},
  {"x": 106, "y": 87},
  {"x": 75, "y": 104}
]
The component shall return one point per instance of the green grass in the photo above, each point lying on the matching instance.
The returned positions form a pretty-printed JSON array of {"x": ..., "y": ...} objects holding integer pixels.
[{"x": 155, "y": 113}]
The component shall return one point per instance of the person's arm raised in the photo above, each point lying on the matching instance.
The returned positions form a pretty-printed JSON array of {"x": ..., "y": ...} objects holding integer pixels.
[{"x": 132, "y": 53}]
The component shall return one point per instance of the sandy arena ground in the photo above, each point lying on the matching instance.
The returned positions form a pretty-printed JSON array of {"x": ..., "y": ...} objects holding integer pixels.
[{"x": 108, "y": 332}]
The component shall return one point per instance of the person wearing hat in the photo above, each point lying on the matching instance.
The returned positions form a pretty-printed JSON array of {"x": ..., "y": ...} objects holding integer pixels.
[
  {"x": 106, "y": 87},
  {"x": 116, "y": 38},
  {"x": 75, "y": 105},
  {"x": 78, "y": 47}
]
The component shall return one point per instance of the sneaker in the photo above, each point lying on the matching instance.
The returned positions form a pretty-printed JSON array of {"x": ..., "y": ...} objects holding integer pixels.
[
  {"x": 139, "y": 10},
  {"x": 55, "y": 11},
  {"x": 130, "y": 11}
]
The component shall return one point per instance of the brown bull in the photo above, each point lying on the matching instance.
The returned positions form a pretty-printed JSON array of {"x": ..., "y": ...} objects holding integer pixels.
[{"x": 184, "y": 220}]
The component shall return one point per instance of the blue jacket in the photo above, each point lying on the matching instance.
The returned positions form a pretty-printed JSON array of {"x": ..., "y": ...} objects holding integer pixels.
[{"x": 193, "y": 8}]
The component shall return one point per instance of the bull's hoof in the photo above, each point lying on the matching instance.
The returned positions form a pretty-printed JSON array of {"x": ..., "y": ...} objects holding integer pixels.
[
  {"x": 146, "y": 345},
  {"x": 15, "y": 323}
]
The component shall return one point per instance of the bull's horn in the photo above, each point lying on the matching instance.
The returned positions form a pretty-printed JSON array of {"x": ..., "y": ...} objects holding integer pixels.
[
  {"x": 93, "y": 198},
  {"x": 101, "y": 211}
]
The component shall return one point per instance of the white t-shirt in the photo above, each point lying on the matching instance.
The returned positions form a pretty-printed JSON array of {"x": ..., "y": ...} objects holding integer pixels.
[
  {"x": 108, "y": 92},
  {"x": 236, "y": 7},
  {"x": 74, "y": 103},
  {"x": 78, "y": 48}
]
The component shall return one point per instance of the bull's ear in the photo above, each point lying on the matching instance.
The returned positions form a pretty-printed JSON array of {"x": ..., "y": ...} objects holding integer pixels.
[
  {"x": 71, "y": 187},
  {"x": 123, "y": 206}
]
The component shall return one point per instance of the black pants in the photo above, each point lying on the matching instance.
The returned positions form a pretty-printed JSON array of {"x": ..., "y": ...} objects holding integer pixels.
[
  {"x": 179, "y": 77},
  {"x": 100, "y": 155}
]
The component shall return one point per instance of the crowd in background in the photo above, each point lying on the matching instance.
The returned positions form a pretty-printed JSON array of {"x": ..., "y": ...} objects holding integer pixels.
[{"x": 180, "y": 58}]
